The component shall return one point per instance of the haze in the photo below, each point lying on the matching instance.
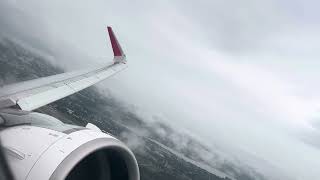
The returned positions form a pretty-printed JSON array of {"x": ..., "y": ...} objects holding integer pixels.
[{"x": 240, "y": 74}]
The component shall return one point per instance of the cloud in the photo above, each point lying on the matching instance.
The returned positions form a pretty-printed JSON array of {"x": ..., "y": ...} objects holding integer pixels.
[
  {"x": 133, "y": 141},
  {"x": 239, "y": 74}
]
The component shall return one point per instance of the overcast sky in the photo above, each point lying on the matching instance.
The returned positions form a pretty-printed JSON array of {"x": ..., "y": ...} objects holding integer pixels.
[{"x": 242, "y": 74}]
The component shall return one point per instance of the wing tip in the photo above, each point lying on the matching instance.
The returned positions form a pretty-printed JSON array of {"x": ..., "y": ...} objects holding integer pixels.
[{"x": 118, "y": 53}]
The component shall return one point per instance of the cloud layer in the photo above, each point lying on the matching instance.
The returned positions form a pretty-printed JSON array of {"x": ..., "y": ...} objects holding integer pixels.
[{"x": 239, "y": 74}]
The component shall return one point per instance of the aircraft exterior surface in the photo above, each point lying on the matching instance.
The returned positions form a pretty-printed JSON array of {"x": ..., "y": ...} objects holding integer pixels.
[{"x": 38, "y": 146}]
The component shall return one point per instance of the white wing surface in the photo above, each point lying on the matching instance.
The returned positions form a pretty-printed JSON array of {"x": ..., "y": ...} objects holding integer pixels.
[{"x": 30, "y": 95}]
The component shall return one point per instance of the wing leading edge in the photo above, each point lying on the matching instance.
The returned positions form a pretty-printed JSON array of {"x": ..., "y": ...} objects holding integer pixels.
[{"x": 30, "y": 95}]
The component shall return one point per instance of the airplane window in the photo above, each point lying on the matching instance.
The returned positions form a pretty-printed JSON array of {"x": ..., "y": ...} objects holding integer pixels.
[
  {"x": 5, "y": 173},
  {"x": 1, "y": 120}
]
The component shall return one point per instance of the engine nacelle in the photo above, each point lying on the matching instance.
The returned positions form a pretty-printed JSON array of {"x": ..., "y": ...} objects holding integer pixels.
[{"x": 39, "y": 146}]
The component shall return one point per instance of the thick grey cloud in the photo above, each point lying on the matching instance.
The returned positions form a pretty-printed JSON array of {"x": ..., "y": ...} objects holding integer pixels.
[{"x": 239, "y": 74}]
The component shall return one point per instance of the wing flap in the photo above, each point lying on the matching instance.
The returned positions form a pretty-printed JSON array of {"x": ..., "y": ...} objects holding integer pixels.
[{"x": 36, "y": 100}]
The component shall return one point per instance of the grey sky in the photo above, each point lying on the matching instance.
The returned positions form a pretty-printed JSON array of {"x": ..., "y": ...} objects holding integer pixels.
[{"x": 242, "y": 74}]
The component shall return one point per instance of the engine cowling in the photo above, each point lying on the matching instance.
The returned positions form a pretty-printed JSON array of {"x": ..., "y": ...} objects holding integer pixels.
[{"x": 39, "y": 146}]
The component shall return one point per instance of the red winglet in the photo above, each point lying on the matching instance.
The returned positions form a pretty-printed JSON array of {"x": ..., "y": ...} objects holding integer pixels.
[{"x": 117, "y": 50}]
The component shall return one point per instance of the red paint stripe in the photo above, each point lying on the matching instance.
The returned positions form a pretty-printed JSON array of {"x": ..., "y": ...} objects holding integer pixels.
[{"x": 117, "y": 51}]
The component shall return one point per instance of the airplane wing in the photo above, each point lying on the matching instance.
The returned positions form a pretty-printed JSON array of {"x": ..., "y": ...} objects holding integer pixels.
[{"x": 30, "y": 95}]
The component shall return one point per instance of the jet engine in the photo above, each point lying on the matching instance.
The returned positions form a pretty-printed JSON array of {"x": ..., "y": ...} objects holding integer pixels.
[{"x": 39, "y": 147}]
